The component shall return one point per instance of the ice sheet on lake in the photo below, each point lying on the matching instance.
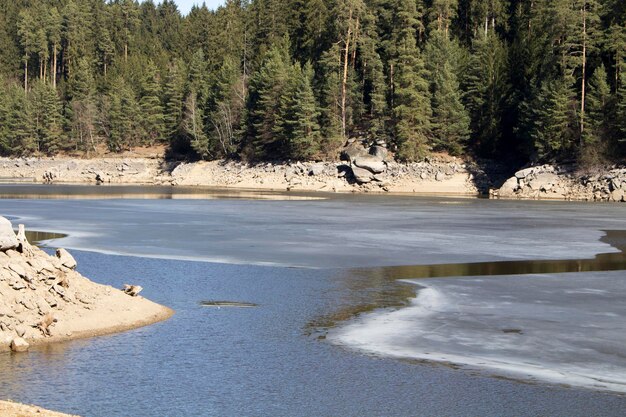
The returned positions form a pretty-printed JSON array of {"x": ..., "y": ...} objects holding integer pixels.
[
  {"x": 561, "y": 328},
  {"x": 344, "y": 231}
]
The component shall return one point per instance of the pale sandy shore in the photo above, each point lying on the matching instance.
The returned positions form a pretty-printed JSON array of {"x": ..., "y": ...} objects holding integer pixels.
[
  {"x": 43, "y": 299},
  {"x": 11, "y": 409}
]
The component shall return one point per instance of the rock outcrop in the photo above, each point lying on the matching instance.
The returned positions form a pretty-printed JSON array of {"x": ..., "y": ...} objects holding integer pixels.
[
  {"x": 43, "y": 298},
  {"x": 565, "y": 183}
]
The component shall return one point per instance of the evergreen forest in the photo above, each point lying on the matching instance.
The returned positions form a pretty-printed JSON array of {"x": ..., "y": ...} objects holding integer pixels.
[{"x": 534, "y": 80}]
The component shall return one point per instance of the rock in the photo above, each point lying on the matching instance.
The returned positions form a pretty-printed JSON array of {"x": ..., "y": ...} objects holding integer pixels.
[
  {"x": 66, "y": 259},
  {"x": 20, "y": 330},
  {"x": 8, "y": 240},
  {"x": 362, "y": 176},
  {"x": 370, "y": 163},
  {"x": 316, "y": 169},
  {"x": 618, "y": 195},
  {"x": 440, "y": 176},
  {"x": 543, "y": 181},
  {"x": 379, "y": 152},
  {"x": 132, "y": 290},
  {"x": 509, "y": 187},
  {"x": 353, "y": 151},
  {"x": 19, "y": 345}
]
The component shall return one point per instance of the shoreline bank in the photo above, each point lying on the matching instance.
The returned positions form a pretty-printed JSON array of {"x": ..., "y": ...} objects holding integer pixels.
[
  {"x": 13, "y": 409},
  {"x": 443, "y": 176},
  {"x": 43, "y": 299}
]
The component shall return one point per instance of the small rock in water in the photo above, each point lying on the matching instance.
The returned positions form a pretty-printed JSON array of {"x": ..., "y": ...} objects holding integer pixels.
[{"x": 19, "y": 345}]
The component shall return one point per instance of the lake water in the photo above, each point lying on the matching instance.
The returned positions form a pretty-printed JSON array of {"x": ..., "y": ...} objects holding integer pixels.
[{"x": 339, "y": 327}]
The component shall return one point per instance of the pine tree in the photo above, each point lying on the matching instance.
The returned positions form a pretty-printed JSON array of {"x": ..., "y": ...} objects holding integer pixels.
[
  {"x": 450, "y": 120},
  {"x": 173, "y": 92},
  {"x": 152, "y": 116},
  {"x": 298, "y": 115},
  {"x": 124, "y": 117},
  {"x": 411, "y": 96},
  {"x": 487, "y": 91},
  {"x": 597, "y": 107},
  {"x": 264, "y": 103},
  {"x": 193, "y": 125},
  {"x": 553, "y": 119},
  {"x": 329, "y": 85},
  {"x": 45, "y": 107},
  {"x": 28, "y": 40}
]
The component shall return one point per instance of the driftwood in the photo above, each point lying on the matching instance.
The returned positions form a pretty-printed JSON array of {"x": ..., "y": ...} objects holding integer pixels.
[{"x": 132, "y": 290}]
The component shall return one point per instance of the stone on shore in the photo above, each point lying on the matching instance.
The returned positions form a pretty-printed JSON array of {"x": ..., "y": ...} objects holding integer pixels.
[
  {"x": 8, "y": 240},
  {"x": 371, "y": 163},
  {"x": 66, "y": 259},
  {"x": 18, "y": 344}
]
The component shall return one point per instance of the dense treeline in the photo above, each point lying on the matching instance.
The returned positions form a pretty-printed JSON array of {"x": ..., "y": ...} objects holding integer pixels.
[{"x": 292, "y": 79}]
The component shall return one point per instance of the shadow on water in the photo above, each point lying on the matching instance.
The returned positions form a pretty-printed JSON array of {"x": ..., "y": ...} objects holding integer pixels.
[{"x": 381, "y": 287}]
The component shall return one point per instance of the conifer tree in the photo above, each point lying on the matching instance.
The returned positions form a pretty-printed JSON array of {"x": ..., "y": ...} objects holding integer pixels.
[
  {"x": 450, "y": 120},
  {"x": 263, "y": 105},
  {"x": 411, "y": 97},
  {"x": 173, "y": 93},
  {"x": 598, "y": 100},
  {"x": 47, "y": 118},
  {"x": 487, "y": 91},
  {"x": 298, "y": 115},
  {"x": 152, "y": 117}
]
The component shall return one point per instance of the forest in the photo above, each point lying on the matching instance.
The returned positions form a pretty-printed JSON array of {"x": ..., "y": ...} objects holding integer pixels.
[{"x": 532, "y": 80}]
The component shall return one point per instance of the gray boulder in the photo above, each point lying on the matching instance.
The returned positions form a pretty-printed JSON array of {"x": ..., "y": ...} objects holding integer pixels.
[
  {"x": 371, "y": 163},
  {"x": 362, "y": 176},
  {"x": 353, "y": 151},
  {"x": 379, "y": 152},
  {"x": 8, "y": 240}
]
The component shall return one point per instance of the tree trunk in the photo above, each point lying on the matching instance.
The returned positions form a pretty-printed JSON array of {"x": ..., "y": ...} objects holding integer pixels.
[
  {"x": 26, "y": 76},
  {"x": 344, "y": 82},
  {"x": 54, "y": 66},
  {"x": 584, "y": 71}
]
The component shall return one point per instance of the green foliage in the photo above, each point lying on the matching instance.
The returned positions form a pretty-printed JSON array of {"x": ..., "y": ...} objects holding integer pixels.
[
  {"x": 531, "y": 79},
  {"x": 450, "y": 120}
]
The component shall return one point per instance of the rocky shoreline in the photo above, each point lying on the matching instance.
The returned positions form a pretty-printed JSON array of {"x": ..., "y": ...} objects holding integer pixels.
[
  {"x": 549, "y": 182},
  {"x": 43, "y": 298},
  {"x": 362, "y": 170}
]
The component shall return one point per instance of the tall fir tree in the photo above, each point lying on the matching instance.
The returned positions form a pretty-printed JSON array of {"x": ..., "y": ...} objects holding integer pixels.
[{"x": 411, "y": 97}]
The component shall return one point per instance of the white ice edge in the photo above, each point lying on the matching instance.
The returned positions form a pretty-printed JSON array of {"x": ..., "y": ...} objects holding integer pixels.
[{"x": 374, "y": 333}]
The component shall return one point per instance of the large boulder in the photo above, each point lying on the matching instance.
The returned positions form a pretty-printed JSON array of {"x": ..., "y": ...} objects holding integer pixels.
[
  {"x": 371, "y": 163},
  {"x": 379, "y": 152},
  {"x": 509, "y": 188},
  {"x": 8, "y": 240},
  {"x": 353, "y": 151},
  {"x": 362, "y": 176},
  {"x": 543, "y": 181}
]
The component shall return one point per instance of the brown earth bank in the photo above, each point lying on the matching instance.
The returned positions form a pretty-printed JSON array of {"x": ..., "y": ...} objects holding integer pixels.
[
  {"x": 12, "y": 409},
  {"x": 43, "y": 299}
]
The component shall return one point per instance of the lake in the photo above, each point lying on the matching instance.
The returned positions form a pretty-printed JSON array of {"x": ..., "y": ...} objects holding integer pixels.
[{"x": 351, "y": 298}]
